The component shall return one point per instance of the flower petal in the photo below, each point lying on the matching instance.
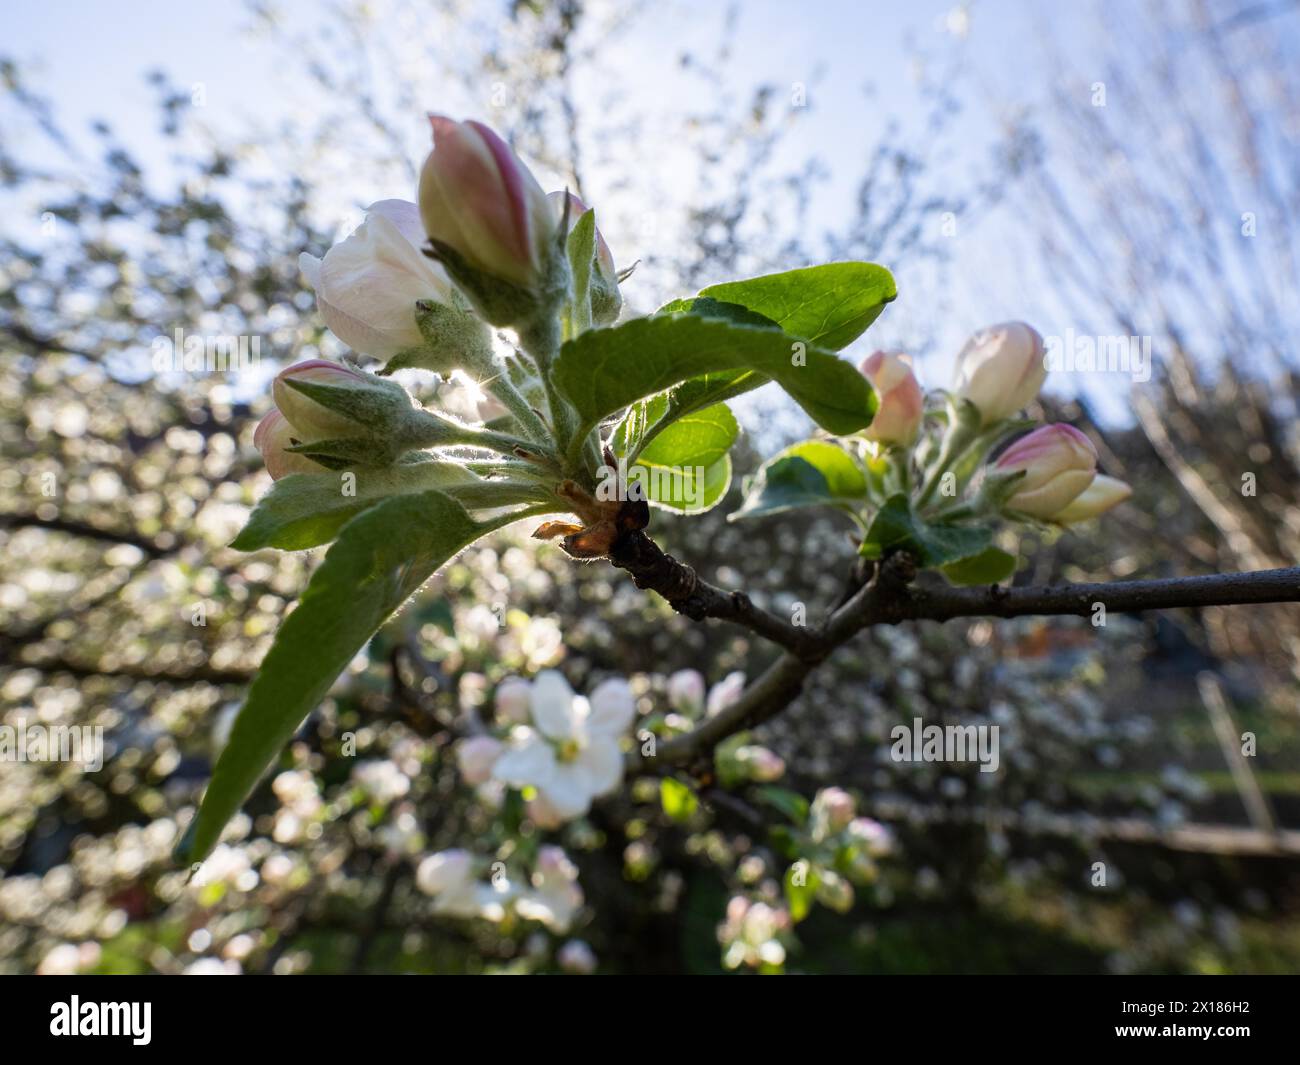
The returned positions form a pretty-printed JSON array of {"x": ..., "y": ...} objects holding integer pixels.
[
  {"x": 552, "y": 705},
  {"x": 602, "y": 762},
  {"x": 613, "y": 707},
  {"x": 569, "y": 790},
  {"x": 528, "y": 761}
]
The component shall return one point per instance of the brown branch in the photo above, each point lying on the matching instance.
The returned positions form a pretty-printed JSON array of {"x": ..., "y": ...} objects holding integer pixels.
[
  {"x": 1119, "y": 597},
  {"x": 691, "y": 595},
  {"x": 889, "y": 598}
]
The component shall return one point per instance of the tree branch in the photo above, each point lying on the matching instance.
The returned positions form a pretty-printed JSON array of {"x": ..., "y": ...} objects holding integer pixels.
[
  {"x": 691, "y": 595},
  {"x": 889, "y": 598},
  {"x": 1119, "y": 597}
]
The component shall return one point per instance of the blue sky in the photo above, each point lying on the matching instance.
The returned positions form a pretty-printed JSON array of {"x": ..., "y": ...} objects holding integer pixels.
[{"x": 89, "y": 58}]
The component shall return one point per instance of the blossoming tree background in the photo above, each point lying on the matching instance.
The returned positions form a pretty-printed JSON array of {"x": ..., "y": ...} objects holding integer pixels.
[{"x": 666, "y": 513}]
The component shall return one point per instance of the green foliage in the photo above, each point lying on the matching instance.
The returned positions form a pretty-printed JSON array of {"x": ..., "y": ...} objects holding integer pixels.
[
  {"x": 811, "y": 473},
  {"x": 895, "y": 525},
  {"x": 308, "y": 509},
  {"x": 605, "y": 370},
  {"x": 988, "y": 567},
  {"x": 677, "y": 799},
  {"x": 379, "y": 559},
  {"x": 800, "y": 884},
  {"x": 829, "y": 305}
]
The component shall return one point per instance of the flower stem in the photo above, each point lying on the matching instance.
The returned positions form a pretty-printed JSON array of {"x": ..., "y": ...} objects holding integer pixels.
[{"x": 514, "y": 401}]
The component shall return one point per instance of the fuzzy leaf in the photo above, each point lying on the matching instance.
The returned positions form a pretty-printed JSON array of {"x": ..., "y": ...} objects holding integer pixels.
[
  {"x": 380, "y": 558},
  {"x": 934, "y": 545},
  {"x": 813, "y": 473},
  {"x": 829, "y": 305},
  {"x": 605, "y": 370},
  {"x": 308, "y": 509}
]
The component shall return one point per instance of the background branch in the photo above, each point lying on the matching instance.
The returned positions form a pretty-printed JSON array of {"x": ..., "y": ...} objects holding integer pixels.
[{"x": 889, "y": 598}]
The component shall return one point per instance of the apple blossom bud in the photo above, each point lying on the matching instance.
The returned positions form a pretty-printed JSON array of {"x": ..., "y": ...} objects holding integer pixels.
[
  {"x": 271, "y": 437},
  {"x": 759, "y": 764},
  {"x": 577, "y": 957},
  {"x": 901, "y": 401},
  {"x": 875, "y": 839},
  {"x": 476, "y": 756},
  {"x": 1058, "y": 463},
  {"x": 486, "y": 216},
  {"x": 834, "y": 892},
  {"x": 1104, "y": 493},
  {"x": 605, "y": 298},
  {"x": 833, "y": 807},
  {"x": 725, "y": 692},
  {"x": 310, "y": 419},
  {"x": 514, "y": 700},
  {"x": 1000, "y": 370},
  {"x": 544, "y": 815},
  {"x": 553, "y": 863},
  {"x": 686, "y": 691},
  {"x": 367, "y": 288}
]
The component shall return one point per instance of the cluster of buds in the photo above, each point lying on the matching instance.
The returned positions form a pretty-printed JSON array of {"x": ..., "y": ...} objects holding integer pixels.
[
  {"x": 755, "y": 933},
  {"x": 840, "y": 848},
  {"x": 1049, "y": 475},
  {"x": 421, "y": 285},
  {"x": 551, "y": 895}
]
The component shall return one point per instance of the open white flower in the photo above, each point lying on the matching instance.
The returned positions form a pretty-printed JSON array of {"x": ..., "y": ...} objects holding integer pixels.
[
  {"x": 570, "y": 752},
  {"x": 367, "y": 286},
  {"x": 450, "y": 878}
]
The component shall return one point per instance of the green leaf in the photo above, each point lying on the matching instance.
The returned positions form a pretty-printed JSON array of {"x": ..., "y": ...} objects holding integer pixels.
[
  {"x": 380, "y": 558},
  {"x": 605, "y": 370},
  {"x": 988, "y": 567},
  {"x": 813, "y": 473},
  {"x": 830, "y": 305},
  {"x": 687, "y": 489},
  {"x": 308, "y": 509},
  {"x": 678, "y": 800},
  {"x": 933, "y": 545},
  {"x": 707, "y": 307},
  {"x": 582, "y": 250},
  {"x": 646, "y": 419},
  {"x": 801, "y": 896},
  {"x": 790, "y": 803},
  {"x": 696, "y": 439}
]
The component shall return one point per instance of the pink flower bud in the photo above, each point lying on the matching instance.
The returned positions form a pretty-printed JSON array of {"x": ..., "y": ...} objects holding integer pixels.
[
  {"x": 514, "y": 697},
  {"x": 725, "y": 692},
  {"x": 310, "y": 420},
  {"x": 901, "y": 399},
  {"x": 479, "y": 199},
  {"x": 834, "y": 807},
  {"x": 1001, "y": 369},
  {"x": 686, "y": 691},
  {"x": 759, "y": 764},
  {"x": 873, "y": 837},
  {"x": 271, "y": 437},
  {"x": 1058, "y": 463},
  {"x": 1104, "y": 493},
  {"x": 577, "y": 957},
  {"x": 367, "y": 286},
  {"x": 476, "y": 756}
]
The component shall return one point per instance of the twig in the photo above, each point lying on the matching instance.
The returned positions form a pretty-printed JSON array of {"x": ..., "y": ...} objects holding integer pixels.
[{"x": 889, "y": 598}]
